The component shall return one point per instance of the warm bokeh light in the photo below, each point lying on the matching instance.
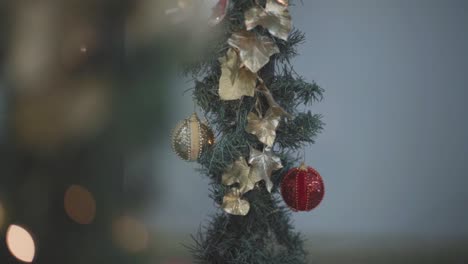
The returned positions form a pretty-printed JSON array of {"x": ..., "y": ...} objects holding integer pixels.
[
  {"x": 130, "y": 234},
  {"x": 32, "y": 53},
  {"x": 73, "y": 110},
  {"x": 80, "y": 205},
  {"x": 83, "y": 49},
  {"x": 20, "y": 243}
]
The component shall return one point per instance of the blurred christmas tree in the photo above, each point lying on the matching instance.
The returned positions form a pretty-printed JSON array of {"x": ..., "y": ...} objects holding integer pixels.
[
  {"x": 83, "y": 98},
  {"x": 250, "y": 95}
]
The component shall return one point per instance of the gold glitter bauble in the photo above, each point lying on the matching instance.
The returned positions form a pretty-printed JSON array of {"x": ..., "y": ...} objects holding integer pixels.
[{"x": 191, "y": 137}]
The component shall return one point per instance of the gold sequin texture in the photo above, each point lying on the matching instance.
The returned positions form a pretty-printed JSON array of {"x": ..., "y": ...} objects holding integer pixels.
[{"x": 191, "y": 138}]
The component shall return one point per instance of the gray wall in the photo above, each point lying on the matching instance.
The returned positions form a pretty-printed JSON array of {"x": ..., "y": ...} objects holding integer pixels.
[{"x": 394, "y": 150}]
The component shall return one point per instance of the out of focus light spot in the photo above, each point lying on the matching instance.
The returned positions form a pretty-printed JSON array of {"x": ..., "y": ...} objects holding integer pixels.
[
  {"x": 144, "y": 23},
  {"x": 184, "y": 3},
  {"x": 83, "y": 49},
  {"x": 80, "y": 205},
  {"x": 130, "y": 234},
  {"x": 78, "y": 44},
  {"x": 20, "y": 243},
  {"x": 32, "y": 48},
  {"x": 75, "y": 110}
]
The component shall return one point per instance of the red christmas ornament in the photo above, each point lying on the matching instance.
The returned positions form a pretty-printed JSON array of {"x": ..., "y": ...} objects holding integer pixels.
[
  {"x": 302, "y": 188},
  {"x": 219, "y": 12}
]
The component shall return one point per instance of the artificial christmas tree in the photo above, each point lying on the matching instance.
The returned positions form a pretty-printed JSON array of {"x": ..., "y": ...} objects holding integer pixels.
[{"x": 250, "y": 95}]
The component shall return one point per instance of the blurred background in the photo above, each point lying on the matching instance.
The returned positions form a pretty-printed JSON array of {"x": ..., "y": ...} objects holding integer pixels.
[{"x": 90, "y": 90}]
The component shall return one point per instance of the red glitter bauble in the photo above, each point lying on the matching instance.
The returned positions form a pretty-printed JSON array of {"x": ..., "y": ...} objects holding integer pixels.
[{"x": 302, "y": 188}]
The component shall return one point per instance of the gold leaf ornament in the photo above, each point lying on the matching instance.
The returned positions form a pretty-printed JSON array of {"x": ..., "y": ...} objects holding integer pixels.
[
  {"x": 235, "y": 81},
  {"x": 264, "y": 128},
  {"x": 254, "y": 51},
  {"x": 263, "y": 164},
  {"x": 239, "y": 172},
  {"x": 274, "y": 17},
  {"x": 234, "y": 204}
]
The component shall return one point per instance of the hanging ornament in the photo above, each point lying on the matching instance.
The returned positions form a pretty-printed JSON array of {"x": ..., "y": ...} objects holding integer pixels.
[
  {"x": 239, "y": 172},
  {"x": 235, "y": 81},
  {"x": 264, "y": 128},
  {"x": 219, "y": 12},
  {"x": 191, "y": 137},
  {"x": 274, "y": 17},
  {"x": 255, "y": 51},
  {"x": 263, "y": 164},
  {"x": 234, "y": 204},
  {"x": 302, "y": 188}
]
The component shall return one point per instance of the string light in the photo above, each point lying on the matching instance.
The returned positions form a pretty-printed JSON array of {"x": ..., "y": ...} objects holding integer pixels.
[
  {"x": 83, "y": 49},
  {"x": 130, "y": 234},
  {"x": 80, "y": 205},
  {"x": 20, "y": 243}
]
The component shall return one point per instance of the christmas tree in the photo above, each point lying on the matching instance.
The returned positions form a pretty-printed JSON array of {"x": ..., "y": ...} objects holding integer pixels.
[
  {"x": 251, "y": 96},
  {"x": 77, "y": 91}
]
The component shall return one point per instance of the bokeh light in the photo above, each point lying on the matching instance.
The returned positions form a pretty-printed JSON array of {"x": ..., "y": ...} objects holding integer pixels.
[
  {"x": 80, "y": 204},
  {"x": 83, "y": 49},
  {"x": 20, "y": 243},
  {"x": 130, "y": 234},
  {"x": 76, "y": 111},
  {"x": 81, "y": 38}
]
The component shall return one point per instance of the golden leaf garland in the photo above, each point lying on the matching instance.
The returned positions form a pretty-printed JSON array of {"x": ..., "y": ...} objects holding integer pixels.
[
  {"x": 239, "y": 172},
  {"x": 234, "y": 204},
  {"x": 254, "y": 51},
  {"x": 235, "y": 81},
  {"x": 249, "y": 53},
  {"x": 264, "y": 128},
  {"x": 274, "y": 17},
  {"x": 263, "y": 164}
]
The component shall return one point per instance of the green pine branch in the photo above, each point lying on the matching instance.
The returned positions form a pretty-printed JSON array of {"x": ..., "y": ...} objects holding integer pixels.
[{"x": 265, "y": 235}]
